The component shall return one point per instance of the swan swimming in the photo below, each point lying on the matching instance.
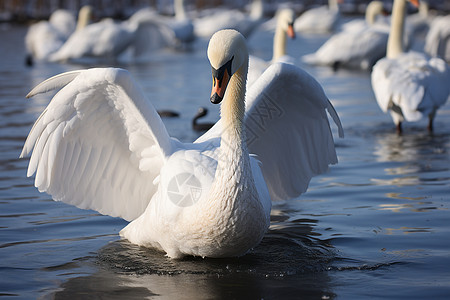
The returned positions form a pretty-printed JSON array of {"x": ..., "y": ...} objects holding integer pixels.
[
  {"x": 320, "y": 19},
  {"x": 284, "y": 28},
  {"x": 210, "y": 198},
  {"x": 358, "y": 46},
  {"x": 409, "y": 85}
]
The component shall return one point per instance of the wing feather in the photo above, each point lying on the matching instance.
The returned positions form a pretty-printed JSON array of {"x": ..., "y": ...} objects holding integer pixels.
[
  {"x": 288, "y": 129},
  {"x": 88, "y": 143}
]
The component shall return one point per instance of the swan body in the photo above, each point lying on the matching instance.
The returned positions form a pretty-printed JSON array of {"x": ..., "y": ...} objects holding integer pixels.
[
  {"x": 359, "y": 46},
  {"x": 284, "y": 28},
  {"x": 178, "y": 30},
  {"x": 105, "y": 39},
  {"x": 321, "y": 19},
  {"x": 46, "y": 37},
  {"x": 108, "y": 40},
  {"x": 218, "y": 19},
  {"x": 409, "y": 85},
  {"x": 437, "y": 42},
  {"x": 210, "y": 198}
]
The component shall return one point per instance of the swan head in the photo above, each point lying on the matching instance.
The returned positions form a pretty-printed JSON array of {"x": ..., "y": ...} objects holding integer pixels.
[
  {"x": 285, "y": 21},
  {"x": 227, "y": 53}
]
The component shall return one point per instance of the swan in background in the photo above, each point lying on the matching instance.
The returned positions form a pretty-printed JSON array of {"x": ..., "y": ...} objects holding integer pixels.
[
  {"x": 375, "y": 14},
  {"x": 419, "y": 22},
  {"x": 216, "y": 19},
  {"x": 359, "y": 46},
  {"x": 210, "y": 198},
  {"x": 46, "y": 37},
  {"x": 409, "y": 85},
  {"x": 107, "y": 41},
  {"x": 321, "y": 19},
  {"x": 180, "y": 25},
  {"x": 437, "y": 42},
  {"x": 201, "y": 112},
  {"x": 284, "y": 28}
]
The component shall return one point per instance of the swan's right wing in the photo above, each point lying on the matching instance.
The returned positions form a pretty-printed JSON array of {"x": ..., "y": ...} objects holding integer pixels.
[
  {"x": 288, "y": 129},
  {"x": 99, "y": 144}
]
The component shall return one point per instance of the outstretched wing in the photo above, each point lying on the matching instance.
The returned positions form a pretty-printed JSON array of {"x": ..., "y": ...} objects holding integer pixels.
[
  {"x": 287, "y": 127},
  {"x": 99, "y": 144}
]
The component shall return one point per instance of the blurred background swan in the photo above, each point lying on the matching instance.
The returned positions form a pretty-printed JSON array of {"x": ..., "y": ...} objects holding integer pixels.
[
  {"x": 320, "y": 19},
  {"x": 437, "y": 43},
  {"x": 215, "y": 19},
  {"x": 46, "y": 37},
  {"x": 359, "y": 45},
  {"x": 409, "y": 85},
  {"x": 284, "y": 28}
]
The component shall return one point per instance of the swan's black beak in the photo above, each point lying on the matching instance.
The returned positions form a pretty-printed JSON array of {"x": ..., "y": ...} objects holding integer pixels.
[{"x": 221, "y": 77}]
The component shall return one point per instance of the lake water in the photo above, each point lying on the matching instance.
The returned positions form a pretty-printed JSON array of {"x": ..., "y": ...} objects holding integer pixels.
[{"x": 376, "y": 226}]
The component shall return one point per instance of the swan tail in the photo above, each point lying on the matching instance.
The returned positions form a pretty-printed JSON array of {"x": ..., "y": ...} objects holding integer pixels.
[{"x": 53, "y": 83}]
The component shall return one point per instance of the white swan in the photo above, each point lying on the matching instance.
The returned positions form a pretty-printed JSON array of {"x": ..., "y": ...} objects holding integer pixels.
[
  {"x": 321, "y": 19},
  {"x": 217, "y": 19},
  {"x": 181, "y": 27},
  {"x": 437, "y": 42},
  {"x": 107, "y": 40},
  {"x": 101, "y": 145},
  {"x": 359, "y": 46},
  {"x": 46, "y": 37},
  {"x": 284, "y": 28},
  {"x": 409, "y": 85}
]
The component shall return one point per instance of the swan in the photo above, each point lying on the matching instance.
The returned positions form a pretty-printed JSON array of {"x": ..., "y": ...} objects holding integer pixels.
[
  {"x": 108, "y": 40},
  {"x": 358, "y": 46},
  {"x": 437, "y": 42},
  {"x": 201, "y": 112},
  {"x": 217, "y": 19},
  {"x": 409, "y": 85},
  {"x": 284, "y": 27},
  {"x": 210, "y": 198},
  {"x": 321, "y": 19},
  {"x": 181, "y": 27},
  {"x": 46, "y": 37}
]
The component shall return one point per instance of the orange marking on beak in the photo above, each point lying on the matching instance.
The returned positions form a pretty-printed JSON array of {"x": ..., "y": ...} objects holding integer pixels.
[
  {"x": 414, "y": 2},
  {"x": 291, "y": 32},
  {"x": 220, "y": 85}
]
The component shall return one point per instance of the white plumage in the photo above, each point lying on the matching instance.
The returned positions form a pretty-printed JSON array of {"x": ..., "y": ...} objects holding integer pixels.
[
  {"x": 284, "y": 28},
  {"x": 217, "y": 19},
  {"x": 100, "y": 144},
  {"x": 322, "y": 19},
  {"x": 409, "y": 85},
  {"x": 46, "y": 37},
  {"x": 437, "y": 42},
  {"x": 359, "y": 46}
]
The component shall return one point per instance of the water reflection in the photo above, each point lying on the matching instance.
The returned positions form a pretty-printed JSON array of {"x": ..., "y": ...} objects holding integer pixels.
[
  {"x": 421, "y": 156},
  {"x": 291, "y": 255}
]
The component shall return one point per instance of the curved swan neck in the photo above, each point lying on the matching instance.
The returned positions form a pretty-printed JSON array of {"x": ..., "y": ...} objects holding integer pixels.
[
  {"x": 333, "y": 5},
  {"x": 372, "y": 11},
  {"x": 180, "y": 13},
  {"x": 84, "y": 17},
  {"x": 232, "y": 110},
  {"x": 395, "y": 41},
  {"x": 279, "y": 43}
]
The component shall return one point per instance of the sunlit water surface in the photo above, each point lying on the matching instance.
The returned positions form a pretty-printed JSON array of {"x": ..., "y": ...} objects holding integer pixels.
[{"x": 377, "y": 225}]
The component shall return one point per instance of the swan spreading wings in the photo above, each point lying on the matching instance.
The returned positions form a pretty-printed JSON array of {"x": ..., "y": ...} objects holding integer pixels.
[{"x": 101, "y": 145}]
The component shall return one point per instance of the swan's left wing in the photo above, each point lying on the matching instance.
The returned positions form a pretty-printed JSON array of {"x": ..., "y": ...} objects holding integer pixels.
[
  {"x": 287, "y": 127},
  {"x": 99, "y": 144}
]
